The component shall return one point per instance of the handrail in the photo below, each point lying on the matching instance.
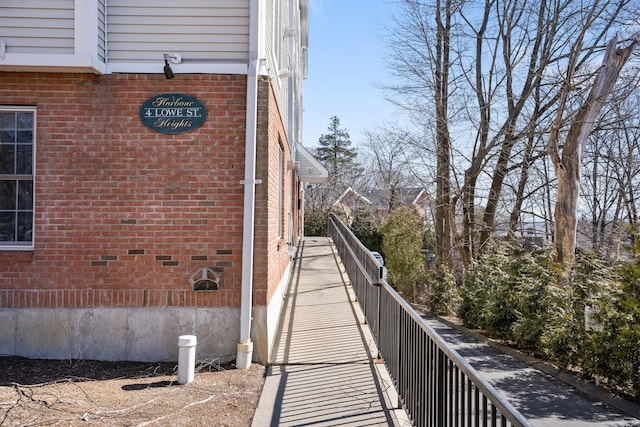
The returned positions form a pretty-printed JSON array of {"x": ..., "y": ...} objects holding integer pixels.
[{"x": 436, "y": 386}]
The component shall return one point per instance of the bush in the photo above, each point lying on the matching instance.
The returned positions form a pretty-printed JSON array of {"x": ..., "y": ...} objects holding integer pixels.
[
  {"x": 402, "y": 247},
  {"x": 614, "y": 345},
  {"x": 316, "y": 222},
  {"x": 563, "y": 340},
  {"x": 613, "y": 351},
  {"x": 533, "y": 278},
  {"x": 531, "y": 302},
  {"x": 441, "y": 295},
  {"x": 528, "y": 300},
  {"x": 363, "y": 228},
  {"x": 481, "y": 282},
  {"x": 506, "y": 293}
]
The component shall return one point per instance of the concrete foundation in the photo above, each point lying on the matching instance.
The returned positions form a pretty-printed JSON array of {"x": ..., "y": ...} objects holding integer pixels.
[
  {"x": 134, "y": 334},
  {"x": 137, "y": 334},
  {"x": 266, "y": 320}
]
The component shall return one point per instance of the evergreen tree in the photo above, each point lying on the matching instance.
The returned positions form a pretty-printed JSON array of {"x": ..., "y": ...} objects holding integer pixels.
[
  {"x": 402, "y": 248},
  {"x": 336, "y": 154}
]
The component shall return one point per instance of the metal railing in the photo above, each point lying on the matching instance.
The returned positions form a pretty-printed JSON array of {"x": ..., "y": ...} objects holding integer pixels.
[{"x": 436, "y": 386}]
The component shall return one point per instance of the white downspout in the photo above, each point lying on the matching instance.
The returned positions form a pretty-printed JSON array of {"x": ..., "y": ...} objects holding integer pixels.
[
  {"x": 294, "y": 125},
  {"x": 303, "y": 195},
  {"x": 244, "y": 347}
]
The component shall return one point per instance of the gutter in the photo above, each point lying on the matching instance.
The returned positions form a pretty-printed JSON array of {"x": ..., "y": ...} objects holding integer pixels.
[{"x": 244, "y": 348}]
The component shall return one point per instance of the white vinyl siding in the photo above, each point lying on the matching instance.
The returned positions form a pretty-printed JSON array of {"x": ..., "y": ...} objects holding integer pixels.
[
  {"x": 37, "y": 26},
  {"x": 199, "y": 30},
  {"x": 125, "y": 36},
  {"x": 276, "y": 49}
]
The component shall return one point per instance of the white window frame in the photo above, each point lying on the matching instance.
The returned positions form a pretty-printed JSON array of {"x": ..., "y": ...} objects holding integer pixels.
[
  {"x": 277, "y": 33},
  {"x": 280, "y": 209},
  {"x": 15, "y": 245}
]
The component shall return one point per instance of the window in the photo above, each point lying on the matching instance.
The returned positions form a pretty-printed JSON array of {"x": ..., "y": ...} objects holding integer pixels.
[
  {"x": 280, "y": 195},
  {"x": 277, "y": 32},
  {"x": 17, "y": 147}
]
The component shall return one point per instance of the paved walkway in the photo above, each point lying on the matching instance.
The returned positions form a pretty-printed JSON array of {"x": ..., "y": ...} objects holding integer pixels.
[
  {"x": 543, "y": 399},
  {"x": 322, "y": 372}
]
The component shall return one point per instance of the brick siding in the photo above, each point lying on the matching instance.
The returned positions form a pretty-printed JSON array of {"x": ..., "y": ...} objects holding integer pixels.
[
  {"x": 271, "y": 250},
  {"x": 124, "y": 215}
]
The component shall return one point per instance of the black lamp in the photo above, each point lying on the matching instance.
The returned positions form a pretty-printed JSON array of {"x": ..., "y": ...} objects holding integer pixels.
[
  {"x": 168, "y": 72},
  {"x": 174, "y": 58}
]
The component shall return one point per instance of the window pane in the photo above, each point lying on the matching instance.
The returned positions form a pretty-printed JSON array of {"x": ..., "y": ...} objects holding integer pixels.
[
  {"x": 7, "y": 195},
  {"x": 8, "y": 135},
  {"x": 7, "y": 226},
  {"x": 7, "y": 158},
  {"x": 25, "y": 120},
  {"x": 24, "y": 164},
  {"x": 7, "y": 120},
  {"x": 25, "y": 195},
  {"x": 25, "y": 137},
  {"x": 17, "y": 138},
  {"x": 25, "y": 226}
]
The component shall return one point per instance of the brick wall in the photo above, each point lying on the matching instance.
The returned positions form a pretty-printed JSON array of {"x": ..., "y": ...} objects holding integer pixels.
[
  {"x": 124, "y": 215},
  {"x": 271, "y": 250}
]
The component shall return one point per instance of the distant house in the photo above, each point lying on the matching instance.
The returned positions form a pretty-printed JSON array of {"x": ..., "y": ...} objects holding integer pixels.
[
  {"x": 384, "y": 201},
  {"x": 531, "y": 233},
  {"x": 150, "y": 180},
  {"x": 349, "y": 202}
]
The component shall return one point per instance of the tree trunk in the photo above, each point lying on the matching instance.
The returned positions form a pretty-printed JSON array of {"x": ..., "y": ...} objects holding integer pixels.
[
  {"x": 495, "y": 191},
  {"x": 468, "y": 219},
  {"x": 443, "y": 140},
  {"x": 566, "y": 215},
  {"x": 514, "y": 218},
  {"x": 568, "y": 168}
]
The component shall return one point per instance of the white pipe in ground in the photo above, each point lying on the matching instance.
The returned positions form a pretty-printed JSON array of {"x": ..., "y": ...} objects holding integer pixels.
[{"x": 186, "y": 358}]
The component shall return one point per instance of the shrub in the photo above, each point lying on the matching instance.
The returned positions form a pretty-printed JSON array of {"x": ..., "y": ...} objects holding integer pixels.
[
  {"x": 315, "y": 222},
  {"x": 363, "y": 228},
  {"x": 532, "y": 278},
  {"x": 563, "y": 339},
  {"x": 401, "y": 245},
  {"x": 482, "y": 280},
  {"x": 441, "y": 295},
  {"x": 525, "y": 299},
  {"x": 506, "y": 293},
  {"x": 614, "y": 345}
]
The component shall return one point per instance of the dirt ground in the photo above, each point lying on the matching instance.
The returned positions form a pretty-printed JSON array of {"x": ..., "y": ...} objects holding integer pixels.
[{"x": 90, "y": 393}]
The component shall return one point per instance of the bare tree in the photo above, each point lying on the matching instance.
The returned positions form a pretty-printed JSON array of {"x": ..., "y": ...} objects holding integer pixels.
[
  {"x": 389, "y": 166},
  {"x": 612, "y": 175},
  {"x": 421, "y": 58},
  {"x": 568, "y": 163},
  {"x": 500, "y": 80},
  {"x": 628, "y": 170}
]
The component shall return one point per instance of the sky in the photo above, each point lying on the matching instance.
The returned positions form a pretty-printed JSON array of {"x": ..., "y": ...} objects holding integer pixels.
[{"x": 346, "y": 61}]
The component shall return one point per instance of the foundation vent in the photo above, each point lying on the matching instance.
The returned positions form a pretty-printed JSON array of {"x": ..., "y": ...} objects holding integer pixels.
[{"x": 205, "y": 279}]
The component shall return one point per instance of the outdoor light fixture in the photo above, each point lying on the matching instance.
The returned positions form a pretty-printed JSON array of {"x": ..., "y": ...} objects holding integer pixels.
[
  {"x": 174, "y": 58},
  {"x": 168, "y": 72}
]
